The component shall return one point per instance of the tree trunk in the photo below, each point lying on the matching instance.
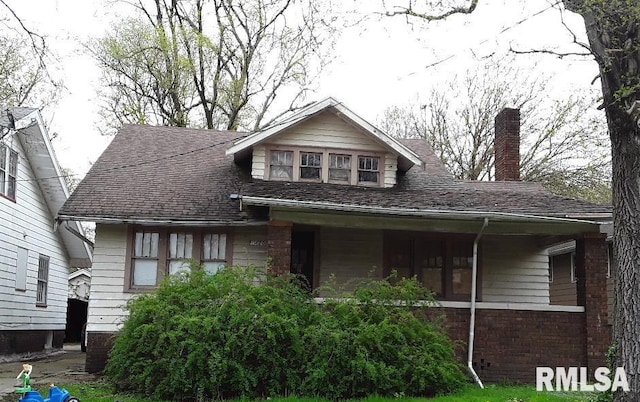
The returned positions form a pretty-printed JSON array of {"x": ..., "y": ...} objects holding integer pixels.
[{"x": 613, "y": 36}]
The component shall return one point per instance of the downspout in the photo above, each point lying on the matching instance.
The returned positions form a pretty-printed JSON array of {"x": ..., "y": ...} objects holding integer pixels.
[{"x": 472, "y": 320}]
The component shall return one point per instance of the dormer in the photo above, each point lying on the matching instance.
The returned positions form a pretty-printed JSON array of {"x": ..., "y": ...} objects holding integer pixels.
[{"x": 325, "y": 142}]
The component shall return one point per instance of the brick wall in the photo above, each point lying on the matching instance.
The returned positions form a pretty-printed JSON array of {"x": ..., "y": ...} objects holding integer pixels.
[
  {"x": 279, "y": 246},
  {"x": 28, "y": 341},
  {"x": 591, "y": 273},
  {"x": 507, "y": 145},
  {"x": 510, "y": 344}
]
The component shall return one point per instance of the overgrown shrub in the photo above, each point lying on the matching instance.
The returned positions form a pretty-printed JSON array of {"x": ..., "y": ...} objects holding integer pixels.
[{"x": 222, "y": 336}]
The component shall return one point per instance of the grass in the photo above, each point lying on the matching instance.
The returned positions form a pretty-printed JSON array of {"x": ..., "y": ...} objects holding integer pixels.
[{"x": 101, "y": 392}]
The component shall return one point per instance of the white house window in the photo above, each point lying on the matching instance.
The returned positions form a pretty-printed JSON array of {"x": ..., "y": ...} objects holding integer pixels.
[
  {"x": 368, "y": 169},
  {"x": 43, "y": 280},
  {"x": 310, "y": 165},
  {"x": 8, "y": 171},
  {"x": 214, "y": 251},
  {"x": 340, "y": 167},
  {"x": 145, "y": 259},
  {"x": 180, "y": 251},
  {"x": 281, "y": 166},
  {"x": 574, "y": 278}
]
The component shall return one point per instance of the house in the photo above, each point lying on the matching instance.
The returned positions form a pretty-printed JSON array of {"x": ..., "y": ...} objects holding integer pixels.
[
  {"x": 35, "y": 253},
  {"x": 325, "y": 194},
  {"x": 77, "y": 303}
]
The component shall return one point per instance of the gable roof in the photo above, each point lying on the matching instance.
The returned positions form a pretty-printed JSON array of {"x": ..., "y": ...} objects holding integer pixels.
[
  {"x": 34, "y": 138},
  {"x": 408, "y": 158},
  {"x": 168, "y": 175}
]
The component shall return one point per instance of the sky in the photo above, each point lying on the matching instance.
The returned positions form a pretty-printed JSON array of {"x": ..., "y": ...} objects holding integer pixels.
[{"x": 378, "y": 62}]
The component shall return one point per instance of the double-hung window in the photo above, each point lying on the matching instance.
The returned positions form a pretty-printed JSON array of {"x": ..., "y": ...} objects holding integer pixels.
[
  {"x": 180, "y": 252},
  {"x": 281, "y": 165},
  {"x": 310, "y": 165},
  {"x": 368, "y": 169},
  {"x": 145, "y": 258},
  {"x": 8, "y": 171},
  {"x": 158, "y": 252},
  {"x": 340, "y": 168},
  {"x": 214, "y": 251},
  {"x": 43, "y": 281}
]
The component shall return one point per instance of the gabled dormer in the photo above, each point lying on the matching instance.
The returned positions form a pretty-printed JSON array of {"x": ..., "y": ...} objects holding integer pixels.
[{"x": 325, "y": 142}]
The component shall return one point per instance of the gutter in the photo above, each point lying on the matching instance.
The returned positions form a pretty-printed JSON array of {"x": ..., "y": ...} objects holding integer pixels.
[
  {"x": 154, "y": 221},
  {"x": 474, "y": 291},
  {"x": 434, "y": 213}
]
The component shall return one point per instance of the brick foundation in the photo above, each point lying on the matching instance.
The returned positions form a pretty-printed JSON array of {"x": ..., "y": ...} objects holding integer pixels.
[
  {"x": 28, "y": 341},
  {"x": 99, "y": 346},
  {"x": 279, "y": 247},
  {"x": 510, "y": 344}
]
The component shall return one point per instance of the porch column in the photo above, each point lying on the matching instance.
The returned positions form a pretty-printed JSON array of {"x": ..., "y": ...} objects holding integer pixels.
[
  {"x": 591, "y": 272},
  {"x": 279, "y": 247}
]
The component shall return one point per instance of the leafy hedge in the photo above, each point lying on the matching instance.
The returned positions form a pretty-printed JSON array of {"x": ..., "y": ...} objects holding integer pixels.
[{"x": 225, "y": 336}]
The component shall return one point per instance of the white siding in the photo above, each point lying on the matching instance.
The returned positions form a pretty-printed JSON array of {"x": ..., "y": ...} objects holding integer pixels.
[
  {"x": 27, "y": 223},
  {"x": 258, "y": 162},
  {"x": 390, "y": 169},
  {"x": 349, "y": 255},
  {"x": 327, "y": 131},
  {"x": 250, "y": 246},
  {"x": 107, "y": 301},
  {"x": 514, "y": 270}
]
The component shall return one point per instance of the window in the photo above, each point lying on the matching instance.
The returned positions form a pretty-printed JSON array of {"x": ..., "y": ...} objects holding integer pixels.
[
  {"x": 574, "y": 279},
  {"x": 180, "y": 251},
  {"x": 145, "y": 258},
  {"x": 43, "y": 280},
  {"x": 442, "y": 265},
  {"x": 310, "y": 165},
  {"x": 22, "y": 268},
  {"x": 8, "y": 171},
  {"x": 214, "y": 251},
  {"x": 368, "y": 169},
  {"x": 157, "y": 252},
  {"x": 281, "y": 166},
  {"x": 610, "y": 261},
  {"x": 340, "y": 168}
]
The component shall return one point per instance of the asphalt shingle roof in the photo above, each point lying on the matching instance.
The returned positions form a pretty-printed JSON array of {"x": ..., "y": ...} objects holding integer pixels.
[{"x": 183, "y": 174}]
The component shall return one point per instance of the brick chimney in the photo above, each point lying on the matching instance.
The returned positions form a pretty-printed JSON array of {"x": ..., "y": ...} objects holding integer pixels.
[{"x": 507, "y": 145}]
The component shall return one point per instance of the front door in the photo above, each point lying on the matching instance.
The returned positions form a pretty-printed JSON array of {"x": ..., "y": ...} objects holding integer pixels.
[{"x": 302, "y": 255}]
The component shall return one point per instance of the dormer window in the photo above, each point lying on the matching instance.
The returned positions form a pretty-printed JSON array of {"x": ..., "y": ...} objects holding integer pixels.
[
  {"x": 310, "y": 165},
  {"x": 368, "y": 169},
  {"x": 281, "y": 166},
  {"x": 340, "y": 168}
]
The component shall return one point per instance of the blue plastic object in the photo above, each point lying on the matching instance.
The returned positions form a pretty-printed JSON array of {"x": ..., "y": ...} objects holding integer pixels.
[{"x": 55, "y": 395}]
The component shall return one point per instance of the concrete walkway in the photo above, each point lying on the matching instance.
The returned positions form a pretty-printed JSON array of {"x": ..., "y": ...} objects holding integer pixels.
[{"x": 58, "y": 366}]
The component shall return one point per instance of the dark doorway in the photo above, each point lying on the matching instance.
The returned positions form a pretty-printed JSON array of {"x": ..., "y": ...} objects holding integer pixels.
[
  {"x": 302, "y": 245},
  {"x": 76, "y": 317}
]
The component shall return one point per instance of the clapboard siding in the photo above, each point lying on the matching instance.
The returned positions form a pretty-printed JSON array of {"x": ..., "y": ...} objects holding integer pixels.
[
  {"x": 250, "y": 246},
  {"x": 562, "y": 291},
  {"x": 349, "y": 255},
  {"x": 28, "y": 223},
  {"x": 258, "y": 162},
  {"x": 328, "y": 131},
  {"x": 390, "y": 169},
  {"x": 107, "y": 302},
  {"x": 514, "y": 270}
]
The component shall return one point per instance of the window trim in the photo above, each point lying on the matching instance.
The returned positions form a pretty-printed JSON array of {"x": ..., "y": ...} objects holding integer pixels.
[
  {"x": 43, "y": 258},
  {"x": 448, "y": 241},
  {"x": 163, "y": 250},
  {"x": 324, "y": 169},
  {"x": 6, "y": 170}
]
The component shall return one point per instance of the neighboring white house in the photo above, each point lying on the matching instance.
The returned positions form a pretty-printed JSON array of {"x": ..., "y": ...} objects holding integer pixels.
[{"x": 35, "y": 253}]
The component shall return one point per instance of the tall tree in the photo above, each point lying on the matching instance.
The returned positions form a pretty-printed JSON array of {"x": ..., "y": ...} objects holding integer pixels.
[
  {"x": 211, "y": 63},
  {"x": 457, "y": 119},
  {"x": 25, "y": 78},
  {"x": 613, "y": 32}
]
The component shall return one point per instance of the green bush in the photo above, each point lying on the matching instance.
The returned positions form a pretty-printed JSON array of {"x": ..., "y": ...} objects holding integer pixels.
[{"x": 224, "y": 336}]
